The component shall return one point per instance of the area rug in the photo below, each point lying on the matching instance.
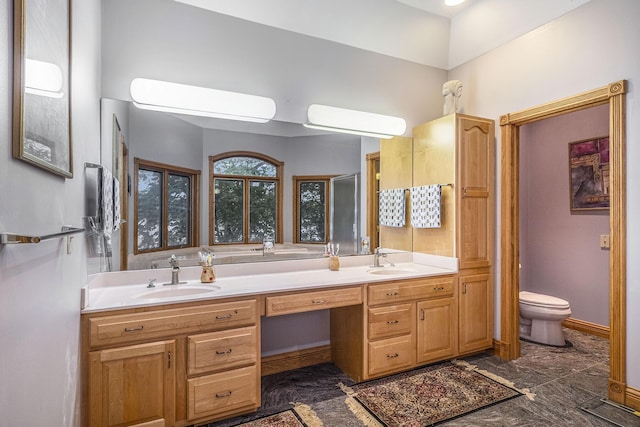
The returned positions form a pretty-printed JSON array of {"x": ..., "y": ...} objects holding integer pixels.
[
  {"x": 286, "y": 418},
  {"x": 426, "y": 396}
]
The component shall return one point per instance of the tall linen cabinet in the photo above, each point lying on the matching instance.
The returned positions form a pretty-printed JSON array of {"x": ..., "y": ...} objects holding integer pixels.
[{"x": 457, "y": 151}]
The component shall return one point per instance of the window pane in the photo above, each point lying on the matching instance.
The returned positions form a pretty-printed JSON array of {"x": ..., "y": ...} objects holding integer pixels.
[
  {"x": 248, "y": 166},
  {"x": 179, "y": 215},
  {"x": 149, "y": 209},
  {"x": 262, "y": 210},
  {"x": 312, "y": 211},
  {"x": 229, "y": 211}
]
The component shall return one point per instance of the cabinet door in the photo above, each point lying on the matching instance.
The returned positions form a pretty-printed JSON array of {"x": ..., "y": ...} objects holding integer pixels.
[
  {"x": 476, "y": 178},
  {"x": 437, "y": 329},
  {"x": 476, "y": 312},
  {"x": 133, "y": 385}
]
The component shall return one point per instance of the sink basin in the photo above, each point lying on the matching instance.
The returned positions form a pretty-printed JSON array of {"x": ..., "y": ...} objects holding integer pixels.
[
  {"x": 390, "y": 271},
  {"x": 177, "y": 291}
]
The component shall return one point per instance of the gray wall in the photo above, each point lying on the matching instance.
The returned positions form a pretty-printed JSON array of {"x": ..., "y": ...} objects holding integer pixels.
[
  {"x": 560, "y": 250},
  {"x": 40, "y": 284},
  {"x": 150, "y": 40}
]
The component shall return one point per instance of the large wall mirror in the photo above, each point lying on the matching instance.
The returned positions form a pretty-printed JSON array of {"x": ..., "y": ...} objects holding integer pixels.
[
  {"x": 187, "y": 143},
  {"x": 41, "y": 112}
]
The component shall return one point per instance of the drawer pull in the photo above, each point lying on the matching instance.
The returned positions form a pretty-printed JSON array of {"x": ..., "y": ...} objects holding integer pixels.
[
  {"x": 392, "y": 294},
  {"x": 221, "y": 395},
  {"x": 392, "y": 356},
  {"x": 138, "y": 328},
  {"x": 223, "y": 352},
  {"x": 225, "y": 317},
  {"x": 318, "y": 301},
  {"x": 438, "y": 288},
  {"x": 393, "y": 322}
]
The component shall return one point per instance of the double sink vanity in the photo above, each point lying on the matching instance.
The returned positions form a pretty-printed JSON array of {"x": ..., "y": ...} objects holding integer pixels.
[{"x": 190, "y": 353}]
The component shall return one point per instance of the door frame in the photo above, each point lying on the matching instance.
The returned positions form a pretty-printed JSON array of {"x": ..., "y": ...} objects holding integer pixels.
[{"x": 614, "y": 95}]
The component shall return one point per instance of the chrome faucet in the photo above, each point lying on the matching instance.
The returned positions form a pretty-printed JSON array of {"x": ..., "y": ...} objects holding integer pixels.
[
  {"x": 175, "y": 270},
  {"x": 376, "y": 258}
]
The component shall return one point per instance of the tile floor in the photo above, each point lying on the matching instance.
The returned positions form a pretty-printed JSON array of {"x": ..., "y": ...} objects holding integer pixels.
[{"x": 563, "y": 380}]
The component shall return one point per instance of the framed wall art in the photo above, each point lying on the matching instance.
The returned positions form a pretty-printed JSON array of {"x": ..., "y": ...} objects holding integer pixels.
[{"x": 589, "y": 174}]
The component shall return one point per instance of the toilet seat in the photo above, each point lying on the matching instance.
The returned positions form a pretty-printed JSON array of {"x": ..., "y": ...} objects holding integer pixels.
[{"x": 541, "y": 300}]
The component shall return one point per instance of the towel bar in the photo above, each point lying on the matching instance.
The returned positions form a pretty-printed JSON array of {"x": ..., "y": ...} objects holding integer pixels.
[{"x": 13, "y": 238}]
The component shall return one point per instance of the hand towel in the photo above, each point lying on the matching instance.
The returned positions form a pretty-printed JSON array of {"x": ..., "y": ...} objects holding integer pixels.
[
  {"x": 426, "y": 203},
  {"x": 391, "y": 207}
]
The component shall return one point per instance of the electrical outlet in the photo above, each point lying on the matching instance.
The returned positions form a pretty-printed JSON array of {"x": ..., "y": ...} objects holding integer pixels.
[{"x": 605, "y": 242}]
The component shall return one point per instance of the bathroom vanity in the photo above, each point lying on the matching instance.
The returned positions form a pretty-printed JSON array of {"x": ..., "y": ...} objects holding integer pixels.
[{"x": 187, "y": 355}]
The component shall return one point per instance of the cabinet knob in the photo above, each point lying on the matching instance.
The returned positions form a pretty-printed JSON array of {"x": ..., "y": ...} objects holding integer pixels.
[
  {"x": 392, "y": 322},
  {"x": 223, "y": 351},
  {"x": 392, "y": 355},
  {"x": 318, "y": 301},
  {"x": 392, "y": 294}
]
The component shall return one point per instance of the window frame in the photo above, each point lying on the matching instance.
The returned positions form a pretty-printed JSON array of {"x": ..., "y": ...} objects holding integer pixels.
[
  {"x": 278, "y": 179},
  {"x": 166, "y": 170},
  {"x": 297, "y": 179}
]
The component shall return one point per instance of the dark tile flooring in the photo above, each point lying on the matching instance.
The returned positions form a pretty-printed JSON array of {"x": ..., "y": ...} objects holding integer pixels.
[{"x": 563, "y": 380}]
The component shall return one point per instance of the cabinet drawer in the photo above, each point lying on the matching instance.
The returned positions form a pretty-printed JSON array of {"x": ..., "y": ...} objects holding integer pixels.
[
  {"x": 222, "y": 350},
  {"x": 125, "y": 328},
  {"x": 391, "y": 355},
  {"x": 390, "y": 320},
  {"x": 411, "y": 289},
  {"x": 222, "y": 393},
  {"x": 310, "y": 301}
]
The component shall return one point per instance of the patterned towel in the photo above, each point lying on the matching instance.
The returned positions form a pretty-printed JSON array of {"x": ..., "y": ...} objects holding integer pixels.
[
  {"x": 391, "y": 207},
  {"x": 106, "y": 201},
  {"x": 426, "y": 202}
]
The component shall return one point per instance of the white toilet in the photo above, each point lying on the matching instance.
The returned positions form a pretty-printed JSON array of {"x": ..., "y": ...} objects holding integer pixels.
[{"x": 541, "y": 316}]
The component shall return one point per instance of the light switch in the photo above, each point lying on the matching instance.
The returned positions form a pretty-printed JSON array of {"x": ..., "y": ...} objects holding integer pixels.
[{"x": 605, "y": 241}]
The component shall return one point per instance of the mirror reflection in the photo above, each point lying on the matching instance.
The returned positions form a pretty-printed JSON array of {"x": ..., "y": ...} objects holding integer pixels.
[{"x": 248, "y": 192}]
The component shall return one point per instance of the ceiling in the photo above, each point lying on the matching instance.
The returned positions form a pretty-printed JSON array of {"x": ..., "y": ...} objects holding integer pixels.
[{"x": 422, "y": 31}]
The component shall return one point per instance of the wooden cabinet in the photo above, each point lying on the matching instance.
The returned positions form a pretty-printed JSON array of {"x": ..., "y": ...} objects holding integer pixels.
[
  {"x": 173, "y": 366},
  {"x": 404, "y": 324},
  {"x": 437, "y": 330},
  {"x": 133, "y": 385},
  {"x": 476, "y": 310},
  {"x": 457, "y": 151}
]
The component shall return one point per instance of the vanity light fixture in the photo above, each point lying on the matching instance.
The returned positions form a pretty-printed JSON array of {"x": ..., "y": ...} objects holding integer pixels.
[
  {"x": 453, "y": 2},
  {"x": 200, "y": 101},
  {"x": 42, "y": 78},
  {"x": 342, "y": 120}
]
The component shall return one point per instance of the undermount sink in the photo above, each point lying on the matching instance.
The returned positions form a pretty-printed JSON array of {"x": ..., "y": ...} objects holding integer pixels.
[
  {"x": 177, "y": 291},
  {"x": 390, "y": 271}
]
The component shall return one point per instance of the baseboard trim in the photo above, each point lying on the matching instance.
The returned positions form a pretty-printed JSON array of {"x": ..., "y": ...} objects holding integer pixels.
[
  {"x": 632, "y": 398},
  {"x": 500, "y": 349},
  {"x": 586, "y": 327},
  {"x": 295, "y": 359}
]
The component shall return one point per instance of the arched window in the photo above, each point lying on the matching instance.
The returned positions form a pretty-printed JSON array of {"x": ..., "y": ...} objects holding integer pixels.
[{"x": 245, "y": 198}]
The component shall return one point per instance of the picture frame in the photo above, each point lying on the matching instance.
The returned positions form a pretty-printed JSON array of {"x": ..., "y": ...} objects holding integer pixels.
[
  {"x": 589, "y": 174},
  {"x": 41, "y": 85}
]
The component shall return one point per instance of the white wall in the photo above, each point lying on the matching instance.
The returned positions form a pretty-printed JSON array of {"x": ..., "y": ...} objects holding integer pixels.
[
  {"x": 40, "y": 284},
  {"x": 560, "y": 250},
  {"x": 585, "y": 49}
]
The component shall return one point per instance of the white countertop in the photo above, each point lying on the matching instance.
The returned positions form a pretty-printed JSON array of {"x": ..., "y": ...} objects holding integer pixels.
[{"x": 120, "y": 290}]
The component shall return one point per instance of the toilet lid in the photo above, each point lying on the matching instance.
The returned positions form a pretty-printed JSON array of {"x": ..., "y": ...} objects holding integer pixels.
[{"x": 541, "y": 300}]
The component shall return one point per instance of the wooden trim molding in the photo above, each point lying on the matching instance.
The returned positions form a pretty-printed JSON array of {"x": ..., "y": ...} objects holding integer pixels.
[
  {"x": 372, "y": 198},
  {"x": 633, "y": 398},
  {"x": 614, "y": 94},
  {"x": 587, "y": 327},
  {"x": 295, "y": 359},
  {"x": 500, "y": 349}
]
